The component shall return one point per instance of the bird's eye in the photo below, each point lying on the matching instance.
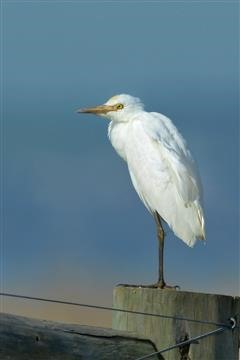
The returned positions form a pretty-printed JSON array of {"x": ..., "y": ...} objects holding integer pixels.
[{"x": 119, "y": 106}]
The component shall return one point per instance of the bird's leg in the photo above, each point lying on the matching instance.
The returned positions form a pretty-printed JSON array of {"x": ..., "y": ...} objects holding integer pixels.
[
  {"x": 160, "y": 284},
  {"x": 160, "y": 234}
]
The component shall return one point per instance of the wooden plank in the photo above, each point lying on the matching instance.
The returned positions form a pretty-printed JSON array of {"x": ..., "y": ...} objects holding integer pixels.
[
  {"x": 28, "y": 339},
  {"x": 165, "y": 332}
]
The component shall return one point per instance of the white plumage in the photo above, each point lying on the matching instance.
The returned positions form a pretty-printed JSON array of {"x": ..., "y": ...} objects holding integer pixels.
[{"x": 161, "y": 167}]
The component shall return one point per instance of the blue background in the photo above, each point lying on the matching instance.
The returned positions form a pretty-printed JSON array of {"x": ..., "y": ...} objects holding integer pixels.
[{"x": 74, "y": 226}]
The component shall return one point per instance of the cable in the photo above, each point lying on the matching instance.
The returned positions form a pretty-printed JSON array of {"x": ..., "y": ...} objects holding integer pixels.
[
  {"x": 189, "y": 341},
  {"x": 113, "y": 309}
]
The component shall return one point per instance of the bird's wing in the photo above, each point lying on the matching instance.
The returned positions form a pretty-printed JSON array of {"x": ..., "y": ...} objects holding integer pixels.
[{"x": 175, "y": 152}]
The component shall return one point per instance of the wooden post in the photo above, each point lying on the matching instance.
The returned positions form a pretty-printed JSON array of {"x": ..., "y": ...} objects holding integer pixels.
[{"x": 166, "y": 332}]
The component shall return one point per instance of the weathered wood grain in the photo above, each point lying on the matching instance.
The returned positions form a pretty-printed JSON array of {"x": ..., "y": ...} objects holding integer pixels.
[
  {"x": 165, "y": 332},
  {"x": 28, "y": 339}
]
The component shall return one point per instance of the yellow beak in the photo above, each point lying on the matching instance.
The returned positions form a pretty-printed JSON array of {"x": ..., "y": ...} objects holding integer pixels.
[{"x": 101, "y": 109}]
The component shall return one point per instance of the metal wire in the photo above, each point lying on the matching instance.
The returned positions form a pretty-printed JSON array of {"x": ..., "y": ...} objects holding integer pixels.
[
  {"x": 224, "y": 325},
  {"x": 189, "y": 341}
]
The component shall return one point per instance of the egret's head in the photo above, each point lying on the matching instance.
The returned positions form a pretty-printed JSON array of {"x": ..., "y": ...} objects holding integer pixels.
[{"x": 117, "y": 107}]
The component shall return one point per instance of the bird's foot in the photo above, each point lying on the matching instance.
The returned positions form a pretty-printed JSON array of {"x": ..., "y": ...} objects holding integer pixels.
[
  {"x": 157, "y": 285},
  {"x": 162, "y": 285}
]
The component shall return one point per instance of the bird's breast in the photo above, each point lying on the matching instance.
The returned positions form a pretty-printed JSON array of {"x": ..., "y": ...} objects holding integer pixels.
[{"x": 118, "y": 134}]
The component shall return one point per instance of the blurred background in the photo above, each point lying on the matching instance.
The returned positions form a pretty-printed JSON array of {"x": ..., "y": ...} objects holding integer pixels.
[{"x": 72, "y": 226}]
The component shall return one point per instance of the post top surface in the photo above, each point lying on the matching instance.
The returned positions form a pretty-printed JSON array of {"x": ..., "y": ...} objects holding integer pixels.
[{"x": 170, "y": 292}]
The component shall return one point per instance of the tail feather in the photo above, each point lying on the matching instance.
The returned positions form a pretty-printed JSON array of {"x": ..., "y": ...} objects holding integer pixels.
[{"x": 189, "y": 225}]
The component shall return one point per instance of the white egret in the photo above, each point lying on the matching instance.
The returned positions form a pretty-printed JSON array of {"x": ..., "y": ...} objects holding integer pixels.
[{"x": 161, "y": 168}]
